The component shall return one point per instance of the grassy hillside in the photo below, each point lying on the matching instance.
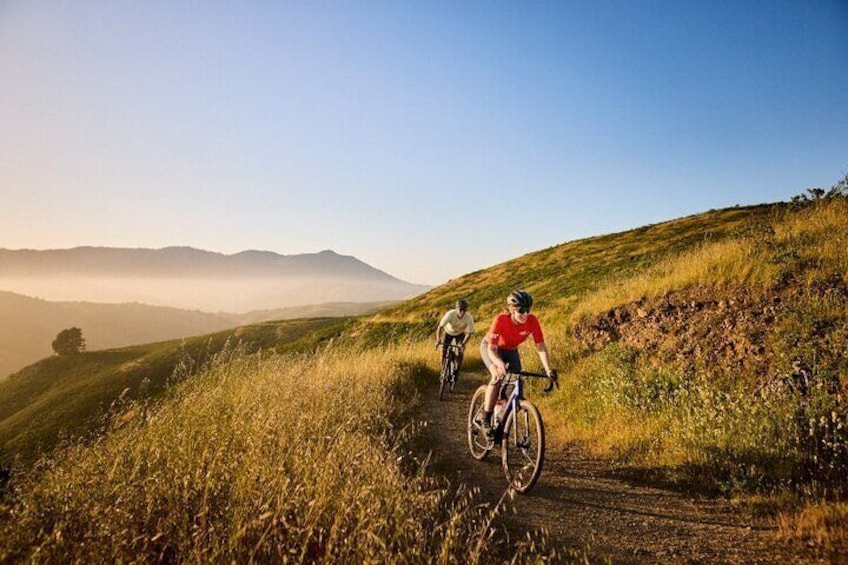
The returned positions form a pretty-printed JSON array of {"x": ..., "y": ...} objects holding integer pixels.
[
  {"x": 560, "y": 276},
  {"x": 70, "y": 396},
  {"x": 706, "y": 351},
  {"x": 269, "y": 460}
]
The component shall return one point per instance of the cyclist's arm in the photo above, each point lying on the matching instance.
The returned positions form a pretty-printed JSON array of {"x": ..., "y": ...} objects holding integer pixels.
[
  {"x": 544, "y": 357},
  {"x": 439, "y": 331}
]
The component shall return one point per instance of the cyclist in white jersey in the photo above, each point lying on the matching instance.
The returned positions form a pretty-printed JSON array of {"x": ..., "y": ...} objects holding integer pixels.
[{"x": 456, "y": 327}]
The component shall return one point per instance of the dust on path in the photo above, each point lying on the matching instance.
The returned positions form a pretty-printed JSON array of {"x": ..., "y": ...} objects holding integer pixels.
[{"x": 584, "y": 503}]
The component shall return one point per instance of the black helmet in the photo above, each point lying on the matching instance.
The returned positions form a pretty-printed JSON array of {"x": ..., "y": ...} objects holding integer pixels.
[
  {"x": 462, "y": 304},
  {"x": 520, "y": 299}
]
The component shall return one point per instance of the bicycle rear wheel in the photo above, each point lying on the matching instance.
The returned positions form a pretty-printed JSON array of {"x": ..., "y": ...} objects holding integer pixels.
[
  {"x": 478, "y": 443},
  {"x": 523, "y": 448}
]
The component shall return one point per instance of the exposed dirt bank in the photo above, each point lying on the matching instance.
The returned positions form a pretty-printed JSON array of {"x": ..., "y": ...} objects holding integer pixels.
[{"x": 727, "y": 332}]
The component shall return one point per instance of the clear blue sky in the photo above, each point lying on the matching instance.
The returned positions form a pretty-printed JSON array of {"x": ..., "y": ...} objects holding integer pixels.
[{"x": 429, "y": 139}]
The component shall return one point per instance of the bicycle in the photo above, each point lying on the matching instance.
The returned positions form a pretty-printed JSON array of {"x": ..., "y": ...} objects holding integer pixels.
[
  {"x": 516, "y": 426},
  {"x": 449, "y": 373}
]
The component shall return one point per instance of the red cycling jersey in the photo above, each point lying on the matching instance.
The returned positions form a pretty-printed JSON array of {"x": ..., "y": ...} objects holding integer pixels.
[{"x": 506, "y": 334}]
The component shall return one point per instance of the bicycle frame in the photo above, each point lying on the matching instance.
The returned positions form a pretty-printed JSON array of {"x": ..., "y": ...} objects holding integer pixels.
[
  {"x": 448, "y": 374},
  {"x": 517, "y": 395}
]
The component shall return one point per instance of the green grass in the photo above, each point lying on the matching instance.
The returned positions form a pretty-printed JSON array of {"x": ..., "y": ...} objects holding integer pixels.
[{"x": 708, "y": 425}]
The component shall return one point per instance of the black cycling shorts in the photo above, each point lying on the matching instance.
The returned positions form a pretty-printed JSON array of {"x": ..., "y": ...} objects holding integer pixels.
[{"x": 509, "y": 356}]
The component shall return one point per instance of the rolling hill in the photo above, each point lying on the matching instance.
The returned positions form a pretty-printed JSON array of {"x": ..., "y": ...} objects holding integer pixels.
[{"x": 29, "y": 325}]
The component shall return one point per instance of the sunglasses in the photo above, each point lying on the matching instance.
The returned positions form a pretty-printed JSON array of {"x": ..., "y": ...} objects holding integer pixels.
[{"x": 523, "y": 309}]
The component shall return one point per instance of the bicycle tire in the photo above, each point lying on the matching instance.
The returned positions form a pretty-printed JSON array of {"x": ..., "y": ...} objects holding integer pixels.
[
  {"x": 454, "y": 372},
  {"x": 478, "y": 443},
  {"x": 443, "y": 376},
  {"x": 523, "y": 447}
]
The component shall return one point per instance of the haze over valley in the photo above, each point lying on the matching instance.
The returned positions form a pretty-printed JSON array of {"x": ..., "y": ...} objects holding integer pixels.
[{"x": 122, "y": 297}]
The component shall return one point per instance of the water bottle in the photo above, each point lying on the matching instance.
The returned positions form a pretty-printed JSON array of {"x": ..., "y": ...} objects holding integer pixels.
[{"x": 499, "y": 409}]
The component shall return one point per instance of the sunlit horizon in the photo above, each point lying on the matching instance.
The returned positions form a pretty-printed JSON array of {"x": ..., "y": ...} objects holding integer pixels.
[{"x": 428, "y": 140}]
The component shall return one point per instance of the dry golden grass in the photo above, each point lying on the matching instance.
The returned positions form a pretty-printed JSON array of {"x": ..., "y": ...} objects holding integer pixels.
[
  {"x": 810, "y": 244},
  {"x": 286, "y": 459},
  {"x": 820, "y": 525},
  {"x": 818, "y": 237},
  {"x": 730, "y": 262}
]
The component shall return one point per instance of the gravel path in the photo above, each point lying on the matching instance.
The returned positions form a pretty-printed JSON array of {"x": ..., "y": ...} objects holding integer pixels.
[{"x": 584, "y": 503}]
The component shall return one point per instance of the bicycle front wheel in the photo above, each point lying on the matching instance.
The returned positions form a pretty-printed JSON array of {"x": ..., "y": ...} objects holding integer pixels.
[
  {"x": 454, "y": 372},
  {"x": 444, "y": 376},
  {"x": 478, "y": 443},
  {"x": 523, "y": 448}
]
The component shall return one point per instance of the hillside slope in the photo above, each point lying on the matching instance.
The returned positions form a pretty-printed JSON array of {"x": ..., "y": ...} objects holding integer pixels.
[
  {"x": 29, "y": 325},
  {"x": 725, "y": 330},
  {"x": 560, "y": 276}
]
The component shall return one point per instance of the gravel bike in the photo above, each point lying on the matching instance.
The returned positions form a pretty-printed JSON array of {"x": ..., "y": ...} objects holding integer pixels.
[
  {"x": 450, "y": 368},
  {"x": 516, "y": 426}
]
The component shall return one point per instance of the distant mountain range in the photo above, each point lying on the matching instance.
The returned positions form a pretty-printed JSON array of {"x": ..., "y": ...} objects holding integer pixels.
[
  {"x": 184, "y": 277},
  {"x": 181, "y": 262}
]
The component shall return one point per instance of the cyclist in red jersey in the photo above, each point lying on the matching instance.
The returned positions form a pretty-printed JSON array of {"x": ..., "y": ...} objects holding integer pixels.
[{"x": 499, "y": 348}]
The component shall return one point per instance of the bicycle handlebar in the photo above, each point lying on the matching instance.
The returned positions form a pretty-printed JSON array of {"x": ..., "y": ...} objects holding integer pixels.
[{"x": 553, "y": 378}]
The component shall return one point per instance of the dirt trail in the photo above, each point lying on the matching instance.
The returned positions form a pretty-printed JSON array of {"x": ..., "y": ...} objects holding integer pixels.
[{"x": 582, "y": 501}]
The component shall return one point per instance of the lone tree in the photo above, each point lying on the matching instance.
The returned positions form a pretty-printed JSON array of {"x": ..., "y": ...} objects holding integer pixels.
[{"x": 69, "y": 342}]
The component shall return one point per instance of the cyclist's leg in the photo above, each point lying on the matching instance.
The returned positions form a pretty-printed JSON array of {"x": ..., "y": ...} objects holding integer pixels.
[
  {"x": 455, "y": 340},
  {"x": 513, "y": 361},
  {"x": 492, "y": 387}
]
